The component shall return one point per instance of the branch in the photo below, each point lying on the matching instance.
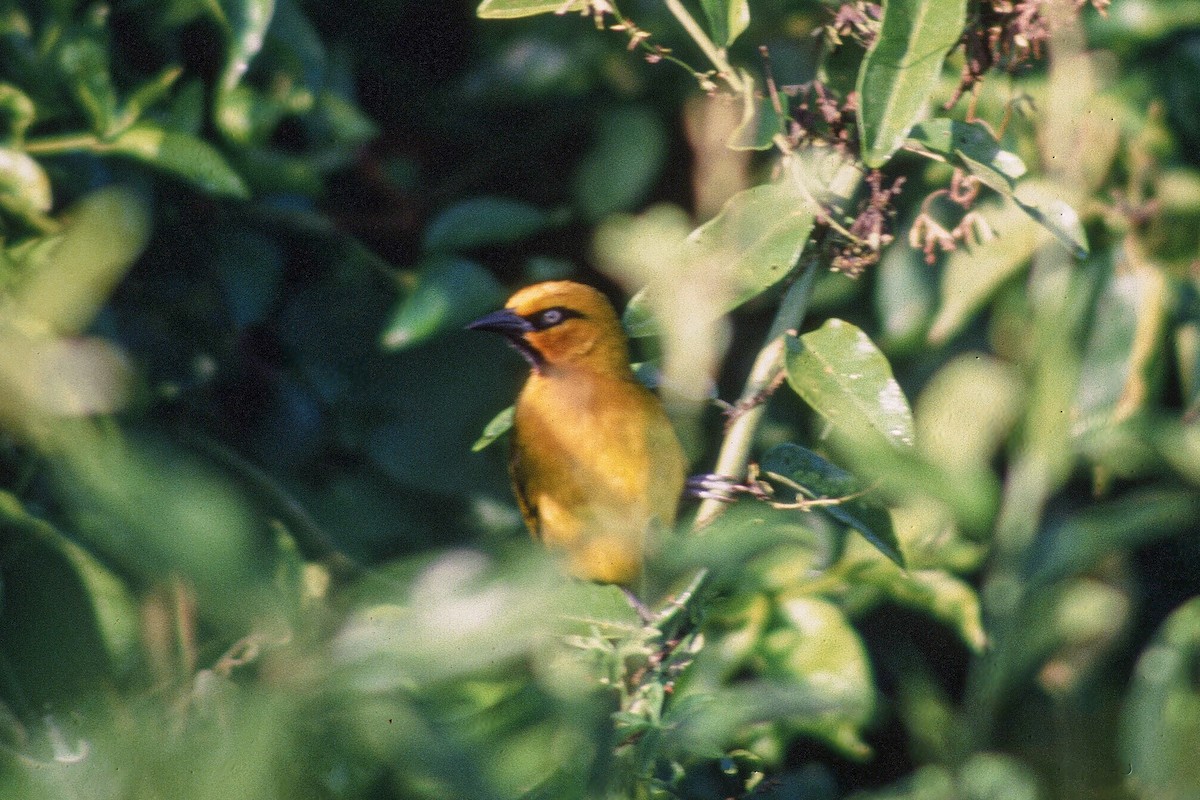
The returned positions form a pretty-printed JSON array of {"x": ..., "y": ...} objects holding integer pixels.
[
  {"x": 715, "y": 54},
  {"x": 739, "y": 437},
  {"x": 735, "y": 449}
]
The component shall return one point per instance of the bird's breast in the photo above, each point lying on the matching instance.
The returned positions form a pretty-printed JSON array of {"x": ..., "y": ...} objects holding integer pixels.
[
  {"x": 589, "y": 435},
  {"x": 597, "y": 463}
]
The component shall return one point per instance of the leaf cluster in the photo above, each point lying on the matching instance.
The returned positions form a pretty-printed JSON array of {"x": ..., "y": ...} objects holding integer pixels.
[{"x": 945, "y": 358}]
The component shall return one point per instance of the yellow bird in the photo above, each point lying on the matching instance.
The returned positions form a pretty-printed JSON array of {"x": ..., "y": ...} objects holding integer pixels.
[{"x": 595, "y": 463}]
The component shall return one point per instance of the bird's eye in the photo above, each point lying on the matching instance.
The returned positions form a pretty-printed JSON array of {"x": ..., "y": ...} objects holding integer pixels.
[{"x": 550, "y": 317}]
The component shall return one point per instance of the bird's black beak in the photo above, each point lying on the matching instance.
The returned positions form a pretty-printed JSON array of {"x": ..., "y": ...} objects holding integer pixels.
[
  {"x": 513, "y": 327},
  {"x": 505, "y": 322}
]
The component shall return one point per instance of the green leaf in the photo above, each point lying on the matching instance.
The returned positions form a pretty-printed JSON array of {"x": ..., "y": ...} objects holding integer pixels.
[
  {"x": 755, "y": 241},
  {"x": 761, "y": 121},
  {"x": 514, "y": 9},
  {"x": 293, "y": 31},
  {"x": 250, "y": 117},
  {"x": 110, "y": 601},
  {"x": 270, "y": 170},
  {"x": 970, "y": 145},
  {"x": 149, "y": 93},
  {"x": 44, "y": 376},
  {"x": 186, "y": 110},
  {"x": 904, "y": 476},
  {"x": 499, "y": 425},
  {"x": 1124, "y": 348},
  {"x": 24, "y": 185},
  {"x": 1137, "y": 23},
  {"x": 764, "y": 230},
  {"x": 1056, "y": 215},
  {"x": 972, "y": 276},
  {"x": 55, "y": 647},
  {"x": 193, "y": 520},
  {"x": 348, "y": 126},
  {"x": 840, "y": 372},
  {"x": 482, "y": 222},
  {"x": 245, "y": 23},
  {"x": 815, "y": 648},
  {"x": 990, "y": 776},
  {"x": 390, "y": 647},
  {"x": 450, "y": 292},
  {"x": 945, "y": 598},
  {"x": 904, "y": 298},
  {"x": 823, "y": 480},
  {"x": 1186, "y": 345},
  {"x": 902, "y": 69},
  {"x": 182, "y": 155},
  {"x": 17, "y": 113},
  {"x": 103, "y": 235},
  {"x": 1162, "y": 711},
  {"x": 1140, "y": 516},
  {"x": 967, "y": 410},
  {"x": 749, "y": 546},
  {"x": 84, "y": 61},
  {"x": 624, "y": 161},
  {"x": 727, "y": 19}
]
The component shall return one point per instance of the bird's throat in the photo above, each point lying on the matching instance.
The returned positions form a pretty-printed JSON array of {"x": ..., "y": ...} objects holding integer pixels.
[{"x": 530, "y": 353}]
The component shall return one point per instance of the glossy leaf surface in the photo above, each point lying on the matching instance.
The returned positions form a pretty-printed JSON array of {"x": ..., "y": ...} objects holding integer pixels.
[
  {"x": 902, "y": 69},
  {"x": 822, "y": 480},
  {"x": 515, "y": 9},
  {"x": 450, "y": 292},
  {"x": 753, "y": 244},
  {"x": 840, "y": 372}
]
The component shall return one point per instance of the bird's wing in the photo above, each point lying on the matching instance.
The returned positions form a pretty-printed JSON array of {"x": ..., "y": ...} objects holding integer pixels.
[{"x": 520, "y": 480}]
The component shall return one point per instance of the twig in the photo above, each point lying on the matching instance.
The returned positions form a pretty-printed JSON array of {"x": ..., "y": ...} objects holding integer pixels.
[
  {"x": 739, "y": 436},
  {"x": 715, "y": 54},
  {"x": 735, "y": 448}
]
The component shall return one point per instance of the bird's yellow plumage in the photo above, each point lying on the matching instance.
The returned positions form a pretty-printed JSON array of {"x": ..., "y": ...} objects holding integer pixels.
[{"x": 596, "y": 465}]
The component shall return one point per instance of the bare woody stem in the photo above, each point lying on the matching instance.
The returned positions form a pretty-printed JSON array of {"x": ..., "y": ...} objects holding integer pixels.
[
  {"x": 735, "y": 449},
  {"x": 734, "y": 455}
]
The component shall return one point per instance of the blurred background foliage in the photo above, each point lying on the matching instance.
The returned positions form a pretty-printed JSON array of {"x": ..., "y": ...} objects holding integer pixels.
[{"x": 248, "y": 550}]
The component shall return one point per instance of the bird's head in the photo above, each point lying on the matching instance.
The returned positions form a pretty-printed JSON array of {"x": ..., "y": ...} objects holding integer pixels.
[{"x": 561, "y": 325}]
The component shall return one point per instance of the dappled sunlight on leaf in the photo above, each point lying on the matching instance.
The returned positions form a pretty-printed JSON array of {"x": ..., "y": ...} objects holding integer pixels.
[
  {"x": 61, "y": 377},
  {"x": 73, "y": 276},
  {"x": 687, "y": 302},
  {"x": 1162, "y": 718},
  {"x": 462, "y": 613},
  {"x": 840, "y": 372},
  {"x": 968, "y": 409},
  {"x": 46, "y": 368}
]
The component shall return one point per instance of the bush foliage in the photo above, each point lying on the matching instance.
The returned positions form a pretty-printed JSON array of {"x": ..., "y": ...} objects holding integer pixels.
[{"x": 925, "y": 272}]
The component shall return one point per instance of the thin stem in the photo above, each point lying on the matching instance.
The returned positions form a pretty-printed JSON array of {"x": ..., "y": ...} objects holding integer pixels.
[
  {"x": 785, "y": 147},
  {"x": 66, "y": 143},
  {"x": 735, "y": 449},
  {"x": 650, "y": 50},
  {"x": 715, "y": 54}
]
